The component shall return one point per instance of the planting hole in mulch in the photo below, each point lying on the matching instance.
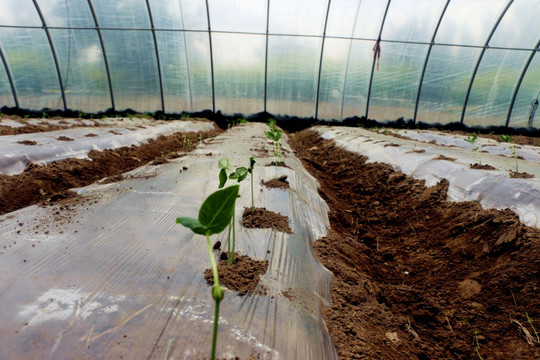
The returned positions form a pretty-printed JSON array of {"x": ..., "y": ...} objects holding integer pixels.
[
  {"x": 482, "y": 167},
  {"x": 64, "y": 138},
  {"x": 442, "y": 157},
  {"x": 280, "y": 164},
  {"x": 279, "y": 183},
  {"x": 242, "y": 276},
  {"x": 520, "y": 175},
  {"x": 417, "y": 276},
  {"x": 91, "y": 135},
  {"x": 418, "y": 151},
  {"x": 27, "y": 142},
  {"x": 260, "y": 218}
]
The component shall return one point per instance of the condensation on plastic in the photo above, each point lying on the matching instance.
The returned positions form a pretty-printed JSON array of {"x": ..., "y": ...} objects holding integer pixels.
[
  {"x": 492, "y": 189},
  {"x": 491, "y": 146},
  {"x": 14, "y": 156},
  {"x": 117, "y": 277}
]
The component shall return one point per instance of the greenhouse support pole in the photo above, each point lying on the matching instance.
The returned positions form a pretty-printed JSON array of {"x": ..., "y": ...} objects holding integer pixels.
[
  {"x": 374, "y": 60},
  {"x": 102, "y": 43},
  {"x": 348, "y": 61},
  {"x": 157, "y": 55},
  {"x": 518, "y": 85},
  {"x": 10, "y": 78},
  {"x": 53, "y": 52},
  {"x": 186, "y": 56},
  {"x": 427, "y": 59},
  {"x": 266, "y": 55},
  {"x": 477, "y": 65},
  {"x": 211, "y": 57},
  {"x": 321, "y": 61}
]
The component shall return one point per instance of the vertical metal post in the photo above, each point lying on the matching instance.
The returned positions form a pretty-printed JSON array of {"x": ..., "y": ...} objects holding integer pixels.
[
  {"x": 518, "y": 85},
  {"x": 211, "y": 57},
  {"x": 266, "y": 55},
  {"x": 157, "y": 55},
  {"x": 321, "y": 61},
  {"x": 486, "y": 45},
  {"x": 55, "y": 58},
  {"x": 10, "y": 78},
  {"x": 427, "y": 59},
  {"x": 348, "y": 61},
  {"x": 374, "y": 60},
  {"x": 187, "y": 57},
  {"x": 100, "y": 36}
]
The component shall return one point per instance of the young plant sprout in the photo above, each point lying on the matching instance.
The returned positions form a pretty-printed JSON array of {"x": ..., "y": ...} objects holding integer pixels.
[
  {"x": 508, "y": 139},
  {"x": 250, "y": 170},
  {"x": 214, "y": 216},
  {"x": 274, "y": 134},
  {"x": 476, "y": 147},
  {"x": 239, "y": 175}
]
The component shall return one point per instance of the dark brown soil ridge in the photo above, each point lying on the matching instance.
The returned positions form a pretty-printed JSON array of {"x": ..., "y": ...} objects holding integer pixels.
[
  {"x": 520, "y": 175},
  {"x": 482, "y": 166},
  {"x": 260, "y": 218},
  {"x": 38, "y": 183},
  {"x": 279, "y": 183},
  {"x": 442, "y": 157},
  {"x": 242, "y": 276},
  {"x": 416, "y": 276}
]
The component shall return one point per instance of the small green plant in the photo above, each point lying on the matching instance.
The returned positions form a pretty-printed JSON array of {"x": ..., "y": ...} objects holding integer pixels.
[
  {"x": 239, "y": 174},
  {"x": 476, "y": 147},
  {"x": 26, "y": 116},
  {"x": 250, "y": 170},
  {"x": 532, "y": 326},
  {"x": 130, "y": 117},
  {"x": 508, "y": 139},
  {"x": 45, "y": 116},
  {"x": 241, "y": 121},
  {"x": 184, "y": 116},
  {"x": 200, "y": 138},
  {"x": 274, "y": 134},
  {"x": 184, "y": 142},
  {"x": 214, "y": 216}
]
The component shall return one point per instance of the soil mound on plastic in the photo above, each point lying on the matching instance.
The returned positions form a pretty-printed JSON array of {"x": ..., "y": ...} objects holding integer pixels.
[
  {"x": 520, "y": 175},
  {"x": 39, "y": 183},
  {"x": 482, "y": 166},
  {"x": 260, "y": 218},
  {"x": 416, "y": 276},
  {"x": 279, "y": 183},
  {"x": 242, "y": 276}
]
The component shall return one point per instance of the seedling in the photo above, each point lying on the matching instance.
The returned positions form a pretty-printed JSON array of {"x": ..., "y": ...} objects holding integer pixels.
[
  {"x": 130, "y": 117},
  {"x": 214, "y": 216},
  {"x": 184, "y": 142},
  {"x": 508, "y": 139},
  {"x": 274, "y": 134},
  {"x": 239, "y": 175},
  {"x": 250, "y": 170},
  {"x": 184, "y": 116},
  {"x": 200, "y": 138},
  {"x": 530, "y": 322},
  {"x": 476, "y": 147}
]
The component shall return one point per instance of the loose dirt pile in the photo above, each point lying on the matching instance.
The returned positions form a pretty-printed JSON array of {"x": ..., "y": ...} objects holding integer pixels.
[{"x": 418, "y": 277}]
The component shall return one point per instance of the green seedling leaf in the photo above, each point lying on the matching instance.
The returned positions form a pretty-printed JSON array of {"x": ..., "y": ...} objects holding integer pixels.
[
  {"x": 218, "y": 209},
  {"x": 222, "y": 178},
  {"x": 251, "y": 163},
  {"x": 241, "y": 173},
  {"x": 224, "y": 164},
  {"x": 270, "y": 134},
  {"x": 192, "y": 224},
  {"x": 506, "y": 138}
]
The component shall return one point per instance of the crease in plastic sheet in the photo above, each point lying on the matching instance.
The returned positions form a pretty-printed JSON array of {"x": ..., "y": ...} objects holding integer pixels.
[
  {"x": 115, "y": 276},
  {"x": 15, "y": 156},
  {"x": 490, "y": 146},
  {"x": 492, "y": 189}
]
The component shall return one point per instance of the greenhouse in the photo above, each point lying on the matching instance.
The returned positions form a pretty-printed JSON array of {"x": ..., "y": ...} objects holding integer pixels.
[{"x": 232, "y": 179}]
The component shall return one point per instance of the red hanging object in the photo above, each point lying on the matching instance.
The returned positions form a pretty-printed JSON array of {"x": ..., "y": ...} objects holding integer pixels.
[{"x": 377, "y": 52}]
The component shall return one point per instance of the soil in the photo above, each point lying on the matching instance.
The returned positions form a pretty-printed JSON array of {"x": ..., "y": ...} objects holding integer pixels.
[
  {"x": 482, "y": 166},
  {"x": 242, "y": 276},
  {"x": 416, "y": 276},
  {"x": 261, "y": 218},
  {"x": 39, "y": 183},
  {"x": 517, "y": 139},
  {"x": 520, "y": 175},
  {"x": 442, "y": 157},
  {"x": 279, "y": 183}
]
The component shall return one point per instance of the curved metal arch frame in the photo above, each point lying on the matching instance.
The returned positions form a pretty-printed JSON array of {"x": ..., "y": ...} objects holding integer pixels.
[
  {"x": 374, "y": 60},
  {"x": 520, "y": 80},
  {"x": 157, "y": 54},
  {"x": 321, "y": 62},
  {"x": 427, "y": 60},
  {"x": 10, "y": 78},
  {"x": 266, "y": 55},
  {"x": 211, "y": 57},
  {"x": 187, "y": 58},
  {"x": 479, "y": 60},
  {"x": 53, "y": 52},
  {"x": 348, "y": 61},
  {"x": 105, "y": 59}
]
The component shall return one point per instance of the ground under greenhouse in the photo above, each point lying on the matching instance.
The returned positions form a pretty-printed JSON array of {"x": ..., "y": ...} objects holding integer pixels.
[{"x": 415, "y": 276}]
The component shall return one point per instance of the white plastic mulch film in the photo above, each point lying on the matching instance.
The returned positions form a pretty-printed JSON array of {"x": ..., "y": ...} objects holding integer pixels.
[
  {"x": 114, "y": 276},
  {"x": 419, "y": 156},
  {"x": 435, "y": 61}
]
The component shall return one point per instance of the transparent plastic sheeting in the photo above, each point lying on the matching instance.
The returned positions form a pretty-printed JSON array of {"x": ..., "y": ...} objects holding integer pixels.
[
  {"x": 15, "y": 156},
  {"x": 486, "y": 145},
  {"x": 492, "y": 189},
  {"x": 116, "y": 276}
]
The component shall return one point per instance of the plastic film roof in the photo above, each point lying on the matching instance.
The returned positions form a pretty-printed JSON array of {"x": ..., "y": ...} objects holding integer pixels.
[{"x": 436, "y": 61}]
